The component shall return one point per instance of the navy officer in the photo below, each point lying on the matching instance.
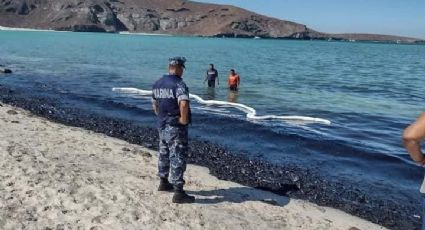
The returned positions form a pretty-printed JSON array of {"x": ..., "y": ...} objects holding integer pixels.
[{"x": 171, "y": 105}]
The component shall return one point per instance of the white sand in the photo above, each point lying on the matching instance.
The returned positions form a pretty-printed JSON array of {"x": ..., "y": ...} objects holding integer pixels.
[
  {"x": 26, "y": 29},
  {"x": 143, "y": 34},
  {"x": 60, "y": 177}
]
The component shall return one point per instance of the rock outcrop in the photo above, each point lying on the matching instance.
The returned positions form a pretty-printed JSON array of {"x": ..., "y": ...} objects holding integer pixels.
[
  {"x": 154, "y": 16},
  {"x": 4, "y": 70}
]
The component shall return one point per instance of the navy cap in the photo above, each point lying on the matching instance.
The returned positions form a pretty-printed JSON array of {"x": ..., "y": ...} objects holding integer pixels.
[{"x": 177, "y": 61}]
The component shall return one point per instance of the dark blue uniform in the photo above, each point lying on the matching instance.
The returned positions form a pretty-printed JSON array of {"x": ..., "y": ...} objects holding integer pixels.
[
  {"x": 167, "y": 92},
  {"x": 212, "y": 75}
]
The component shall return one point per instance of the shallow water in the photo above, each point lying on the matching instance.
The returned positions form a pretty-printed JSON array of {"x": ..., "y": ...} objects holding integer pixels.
[{"x": 369, "y": 92}]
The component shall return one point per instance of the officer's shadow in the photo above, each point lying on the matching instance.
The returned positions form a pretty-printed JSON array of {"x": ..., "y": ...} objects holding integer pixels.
[{"x": 239, "y": 195}]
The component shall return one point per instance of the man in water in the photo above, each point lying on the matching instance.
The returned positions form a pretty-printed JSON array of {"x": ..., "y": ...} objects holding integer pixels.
[
  {"x": 171, "y": 104},
  {"x": 212, "y": 75},
  {"x": 412, "y": 138},
  {"x": 234, "y": 80}
]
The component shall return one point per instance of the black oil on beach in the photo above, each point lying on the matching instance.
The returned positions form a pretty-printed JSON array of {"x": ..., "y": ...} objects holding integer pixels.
[
  {"x": 356, "y": 164},
  {"x": 296, "y": 177}
]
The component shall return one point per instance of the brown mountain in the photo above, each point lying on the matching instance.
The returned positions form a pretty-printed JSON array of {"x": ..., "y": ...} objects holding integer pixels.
[{"x": 159, "y": 16}]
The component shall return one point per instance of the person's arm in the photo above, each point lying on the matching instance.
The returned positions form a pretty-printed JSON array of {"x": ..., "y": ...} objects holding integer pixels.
[
  {"x": 218, "y": 80},
  {"x": 155, "y": 106},
  {"x": 206, "y": 77},
  {"x": 412, "y": 138},
  {"x": 184, "y": 112},
  {"x": 182, "y": 93},
  {"x": 239, "y": 80}
]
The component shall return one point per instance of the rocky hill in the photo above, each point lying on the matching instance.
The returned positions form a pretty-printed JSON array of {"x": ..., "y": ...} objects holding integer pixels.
[{"x": 157, "y": 16}]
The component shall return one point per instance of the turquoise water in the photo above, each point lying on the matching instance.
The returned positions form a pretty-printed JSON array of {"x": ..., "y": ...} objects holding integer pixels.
[{"x": 369, "y": 91}]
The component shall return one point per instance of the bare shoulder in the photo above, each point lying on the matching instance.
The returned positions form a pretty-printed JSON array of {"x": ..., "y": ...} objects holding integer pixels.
[
  {"x": 421, "y": 119},
  {"x": 417, "y": 129}
]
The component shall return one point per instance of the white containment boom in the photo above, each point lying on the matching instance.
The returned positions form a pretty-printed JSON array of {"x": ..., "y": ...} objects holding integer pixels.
[{"x": 251, "y": 113}]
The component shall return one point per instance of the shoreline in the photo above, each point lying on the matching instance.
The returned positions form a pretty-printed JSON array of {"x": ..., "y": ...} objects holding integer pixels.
[
  {"x": 59, "y": 176},
  {"x": 3, "y": 28},
  {"x": 290, "y": 180},
  {"x": 143, "y": 34},
  {"x": 419, "y": 42}
]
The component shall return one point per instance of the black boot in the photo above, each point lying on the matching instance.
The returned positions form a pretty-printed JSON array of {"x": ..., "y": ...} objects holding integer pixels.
[
  {"x": 164, "y": 185},
  {"x": 181, "y": 197}
]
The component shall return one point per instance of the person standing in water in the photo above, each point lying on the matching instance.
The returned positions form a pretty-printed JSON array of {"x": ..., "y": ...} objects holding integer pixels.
[
  {"x": 170, "y": 102},
  {"x": 234, "y": 80},
  {"x": 212, "y": 76},
  {"x": 232, "y": 96},
  {"x": 412, "y": 138}
]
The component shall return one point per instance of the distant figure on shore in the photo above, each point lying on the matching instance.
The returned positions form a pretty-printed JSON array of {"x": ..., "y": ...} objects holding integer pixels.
[
  {"x": 4, "y": 70},
  {"x": 234, "y": 80},
  {"x": 212, "y": 76},
  {"x": 170, "y": 101},
  {"x": 412, "y": 138}
]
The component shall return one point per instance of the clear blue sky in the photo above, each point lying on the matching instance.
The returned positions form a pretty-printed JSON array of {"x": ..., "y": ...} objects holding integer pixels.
[{"x": 396, "y": 17}]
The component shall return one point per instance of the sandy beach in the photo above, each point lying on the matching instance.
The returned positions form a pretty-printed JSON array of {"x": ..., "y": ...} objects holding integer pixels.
[
  {"x": 58, "y": 177},
  {"x": 26, "y": 29}
]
